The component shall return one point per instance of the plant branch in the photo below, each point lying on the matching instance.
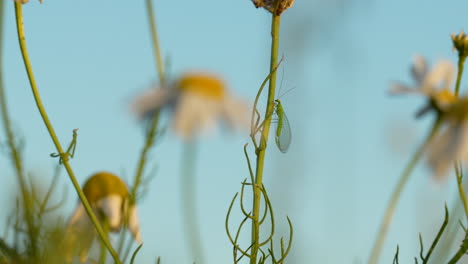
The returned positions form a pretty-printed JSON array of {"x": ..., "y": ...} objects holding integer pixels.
[{"x": 50, "y": 129}]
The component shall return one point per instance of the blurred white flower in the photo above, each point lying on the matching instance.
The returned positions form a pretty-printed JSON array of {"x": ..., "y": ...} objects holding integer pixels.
[
  {"x": 434, "y": 84},
  {"x": 450, "y": 144},
  {"x": 109, "y": 197},
  {"x": 198, "y": 101}
]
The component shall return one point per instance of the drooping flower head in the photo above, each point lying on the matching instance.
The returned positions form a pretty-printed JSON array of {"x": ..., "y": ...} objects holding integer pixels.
[
  {"x": 450, "y": 144},
  {"x": 198, "y": 101},
  {"x": 109, "y": 197}
]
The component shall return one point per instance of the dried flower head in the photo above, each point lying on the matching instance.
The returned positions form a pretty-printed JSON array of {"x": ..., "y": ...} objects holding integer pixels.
[
  {"x": 198, "y": 101},
  {"x": 460, "y": 43},
  {"x": 274, "y": 6}
]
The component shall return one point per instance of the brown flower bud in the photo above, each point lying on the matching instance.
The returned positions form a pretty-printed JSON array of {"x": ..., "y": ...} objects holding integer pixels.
[{"x": 460, "y": 43}]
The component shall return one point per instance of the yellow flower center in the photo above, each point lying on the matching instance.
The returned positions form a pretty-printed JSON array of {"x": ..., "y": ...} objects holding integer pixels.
[
  {"x": 458, "y": 111},
  {"x": 444, "y": 96},
  {"x": 103, "y": 184},
  {"x": 202, "y": 84}
]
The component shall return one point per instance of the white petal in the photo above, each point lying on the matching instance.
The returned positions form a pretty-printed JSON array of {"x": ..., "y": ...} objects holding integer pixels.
[
  {"x": 208, "y": 116},
  {"x": 194, "y": 114},
  {"x": 237, "y": 113},
  {"x": 111, "y": 206},
  {"x": 151, "y": 100},
  {"x": 449, "y": 146},
  {"x": 80, "y": 234},
  {"x": 462, "y": 154},
  {"x": 398, "y": 88},
  {"x": 134, "y": 225},
  {"x": 441, "y": 76},
  {"x": 419, "y": 68},
  {"x": 184, "y": 117},
  {"x": 79, "y": 216}
]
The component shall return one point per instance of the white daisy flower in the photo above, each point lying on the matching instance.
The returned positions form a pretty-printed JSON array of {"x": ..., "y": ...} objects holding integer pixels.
[
  {"x": 198, "y": 101},
  {"x": 109, "y": 197},
  {"x": 434, "y": 84},
  {"x": 450, "y": 144}
]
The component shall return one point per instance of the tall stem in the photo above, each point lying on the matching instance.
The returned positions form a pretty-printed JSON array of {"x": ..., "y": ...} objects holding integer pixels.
[
  {"x": 50, "y": 129},
  {"x": 155, "y": 41},
  {"x": 188, "y": 200},
  {"x": 151, "y": 133},
  {"x": 461, "y": 63},
  {"x": 153, "y": 127},
  {"x": 390, "y": 211},
  {"x": 275, "y": 31}
]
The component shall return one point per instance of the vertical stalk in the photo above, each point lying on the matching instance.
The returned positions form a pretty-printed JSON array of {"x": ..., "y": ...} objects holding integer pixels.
[
  {"x": 155, "y": 119},
  {"x": 390, "y": 211},
  {"x": 153, "y": 127},
  {"x": 458, "y": 170},
  {"x": 461, "y": 191},
  {"x": 155, "y": 41},
  {"x": 103, "y": 251},
  {"x": 461, "y": 63},
  {"x": 64, "y": 157},
  {"x": 188, "y": 200},
  {"x": 275, "y": 31}
]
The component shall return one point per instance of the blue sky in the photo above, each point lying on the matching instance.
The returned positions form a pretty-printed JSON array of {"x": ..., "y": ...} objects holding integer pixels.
[{"x": 350, "y": 139}]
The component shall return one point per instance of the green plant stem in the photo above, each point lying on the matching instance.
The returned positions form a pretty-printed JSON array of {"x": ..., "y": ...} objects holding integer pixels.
[
  {"x": 255, "y": 239},
  {"x": 103, "y": 253},
  {"x": 50, "y": 129},
  {"x": 155, "y": 41},
  {"x": 153, "y": 127},
  {"x": 143, "y": 156},
  {"x": 461, "y": 63},
  {"x": 460, "y": 253},
  {"x": 390, "y": 211},
  {"x": 437, "y": 238},
  {"x": 14, "y": 152},
  {"x": 188, "y": 199},
  {"x": 155, "y": 119},
  {"x": 448, "y": 238},
  {"x": 461, "y": 191}
]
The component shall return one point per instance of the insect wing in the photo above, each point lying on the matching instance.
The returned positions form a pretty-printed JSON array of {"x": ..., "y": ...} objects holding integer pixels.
[{"x": 283, "y": 137}]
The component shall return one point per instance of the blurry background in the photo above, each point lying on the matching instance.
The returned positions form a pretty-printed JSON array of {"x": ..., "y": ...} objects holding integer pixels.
[{"x": 350, "y": 139}]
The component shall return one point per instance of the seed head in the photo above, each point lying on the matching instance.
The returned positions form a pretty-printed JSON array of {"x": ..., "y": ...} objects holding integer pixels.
[{"x": 274, "y": 6}]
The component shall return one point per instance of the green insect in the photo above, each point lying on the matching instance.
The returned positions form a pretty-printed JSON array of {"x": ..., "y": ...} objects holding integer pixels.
[{"x": 283, "y": 130}]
